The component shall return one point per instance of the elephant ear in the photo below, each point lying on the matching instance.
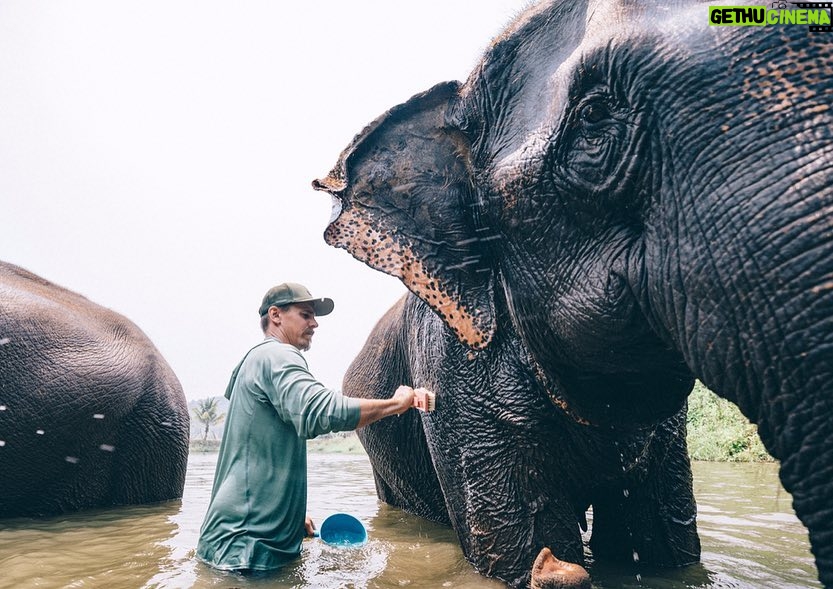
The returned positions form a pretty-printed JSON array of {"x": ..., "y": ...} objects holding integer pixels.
[{"x": 404, "y": 204}]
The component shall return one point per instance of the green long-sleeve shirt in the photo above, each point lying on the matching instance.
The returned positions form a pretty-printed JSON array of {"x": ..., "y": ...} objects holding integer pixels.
[{"x": 255, "y": 518}]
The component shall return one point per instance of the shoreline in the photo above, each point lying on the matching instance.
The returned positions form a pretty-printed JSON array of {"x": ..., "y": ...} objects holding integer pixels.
[{"x": 338, "y": 443}]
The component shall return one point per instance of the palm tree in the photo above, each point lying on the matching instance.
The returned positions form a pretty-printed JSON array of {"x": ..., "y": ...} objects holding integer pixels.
[{"x": 206, "y": 413}]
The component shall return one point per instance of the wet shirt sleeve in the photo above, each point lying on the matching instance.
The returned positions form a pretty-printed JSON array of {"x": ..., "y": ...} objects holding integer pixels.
[{"x": 302, "y": 401}]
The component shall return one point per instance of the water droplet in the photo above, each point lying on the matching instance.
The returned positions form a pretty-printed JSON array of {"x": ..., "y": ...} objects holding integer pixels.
[
  {"x": 40, "y": 432},
  {"x": 4, "y": 341},
  {"x": 2, "y": 443},
  {"x": 626, "y": 493},
  {"x": 71, "y": 459},
  {"x": 98, "y": 416},
  {"x": 166, "y": 423},
  {"x": 107, "y": 447},
  {"x": 2, "y": 407},
  {"x": 635, "y": 556}
]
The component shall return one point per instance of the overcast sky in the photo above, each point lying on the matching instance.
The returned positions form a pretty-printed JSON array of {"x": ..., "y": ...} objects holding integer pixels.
[{"x": 156, "y": 156}]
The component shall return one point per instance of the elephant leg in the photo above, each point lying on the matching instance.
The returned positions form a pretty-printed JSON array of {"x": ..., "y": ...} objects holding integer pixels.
[
  {"x": 402, "y": 467},
  {"x": 499, "y": 451},
  {"x": 651, "y": 517},
  {"x": 506, "y": 504}
]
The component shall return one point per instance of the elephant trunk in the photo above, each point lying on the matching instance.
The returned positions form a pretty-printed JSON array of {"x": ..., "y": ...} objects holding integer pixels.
[
  {"x": 548, "y": 572},
  {"x": 748, "y": 299}
]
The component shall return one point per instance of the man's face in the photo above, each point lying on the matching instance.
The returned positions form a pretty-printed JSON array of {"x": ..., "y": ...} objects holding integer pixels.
[{"x": 298, "y": 325}]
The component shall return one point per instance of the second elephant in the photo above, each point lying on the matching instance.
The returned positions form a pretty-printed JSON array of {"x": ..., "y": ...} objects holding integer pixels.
[
  {"x": 504, "y": 465},
  {"x": 91, "y": 414}
]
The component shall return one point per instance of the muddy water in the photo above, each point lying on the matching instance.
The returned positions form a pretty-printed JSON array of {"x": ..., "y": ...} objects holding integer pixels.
[{"x": 751, "y": 539}]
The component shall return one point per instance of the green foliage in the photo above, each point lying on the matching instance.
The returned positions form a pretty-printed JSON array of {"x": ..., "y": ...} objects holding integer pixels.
[{"x": 718, "y": 431}]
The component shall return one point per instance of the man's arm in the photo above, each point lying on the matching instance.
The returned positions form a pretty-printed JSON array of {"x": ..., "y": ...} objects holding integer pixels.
[{"x": 403, "y": 399}]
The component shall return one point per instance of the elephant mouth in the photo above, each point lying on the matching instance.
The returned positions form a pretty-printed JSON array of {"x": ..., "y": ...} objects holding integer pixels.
[
  {"x": 335, "y": 188},
  {"x": 616, "y": 401},
  {"x": 557, "y": 399}
]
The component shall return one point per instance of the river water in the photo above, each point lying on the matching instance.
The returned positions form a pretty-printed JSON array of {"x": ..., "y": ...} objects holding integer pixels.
[{"x": 750, "y": 536}]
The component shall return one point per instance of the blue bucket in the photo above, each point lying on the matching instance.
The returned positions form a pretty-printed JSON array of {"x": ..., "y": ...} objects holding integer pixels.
[{"x": 342, "y": 529}]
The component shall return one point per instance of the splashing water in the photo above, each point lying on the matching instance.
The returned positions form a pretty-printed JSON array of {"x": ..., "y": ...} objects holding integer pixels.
[{"x": 626, "y": 495}]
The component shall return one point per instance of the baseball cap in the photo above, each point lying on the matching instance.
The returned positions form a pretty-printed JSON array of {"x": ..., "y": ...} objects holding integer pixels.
[{"x": 292, "y": 292}]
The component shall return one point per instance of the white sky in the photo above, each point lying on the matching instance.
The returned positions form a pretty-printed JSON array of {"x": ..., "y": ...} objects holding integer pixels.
[{"x": 156, "y": 156}]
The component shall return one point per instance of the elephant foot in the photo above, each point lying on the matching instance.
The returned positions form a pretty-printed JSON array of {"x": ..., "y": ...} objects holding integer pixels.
[{"x": 550, "y": 573}]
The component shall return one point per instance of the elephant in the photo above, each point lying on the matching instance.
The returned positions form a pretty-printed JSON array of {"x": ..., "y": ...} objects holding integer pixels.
[
  {"x": 509, "y": 470},
  {"x": 91, "y": 415},
  {"x": 651, "y": 195}
]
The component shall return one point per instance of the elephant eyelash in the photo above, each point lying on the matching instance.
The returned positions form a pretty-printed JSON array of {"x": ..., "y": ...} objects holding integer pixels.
[{"x": 596, "y": 111}]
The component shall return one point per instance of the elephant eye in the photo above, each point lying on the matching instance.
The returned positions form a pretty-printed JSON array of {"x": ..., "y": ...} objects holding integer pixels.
[
  {"x": 594, "y": 147},
  {"x": 594, "y": 112}
]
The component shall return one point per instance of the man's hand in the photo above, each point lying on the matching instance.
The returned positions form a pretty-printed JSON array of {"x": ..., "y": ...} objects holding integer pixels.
[
  {"x": 309, "y": 527},
  {"x": 404, "y": 398},
  {"x": 423, "y": 399}
]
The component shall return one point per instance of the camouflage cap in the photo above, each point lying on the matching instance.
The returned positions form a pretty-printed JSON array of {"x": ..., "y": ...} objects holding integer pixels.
[{"x": 292, "y": 292}]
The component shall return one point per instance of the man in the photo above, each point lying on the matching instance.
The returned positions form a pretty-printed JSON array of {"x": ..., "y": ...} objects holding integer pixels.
[{"x": 256, "y": 518}]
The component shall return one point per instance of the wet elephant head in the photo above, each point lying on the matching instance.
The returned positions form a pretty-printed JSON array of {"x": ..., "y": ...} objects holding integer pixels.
[{"x": 654, "y": 197}]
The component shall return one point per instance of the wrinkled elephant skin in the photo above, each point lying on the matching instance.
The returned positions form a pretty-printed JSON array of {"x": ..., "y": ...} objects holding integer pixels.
[
  {"x": 92, "y": 415},
  {"x": 509, "y": 470},
  {"x": 654, "y": 198}
]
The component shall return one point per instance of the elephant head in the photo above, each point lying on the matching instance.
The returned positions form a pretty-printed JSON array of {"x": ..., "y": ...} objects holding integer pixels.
[{"x": 654, "y": 196}]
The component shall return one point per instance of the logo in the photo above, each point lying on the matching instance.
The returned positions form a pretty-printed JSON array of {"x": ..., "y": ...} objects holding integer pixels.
[{"x": 814, "y": 15}]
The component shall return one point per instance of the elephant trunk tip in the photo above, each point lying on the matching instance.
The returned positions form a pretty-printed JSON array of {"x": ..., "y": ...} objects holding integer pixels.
[{"x": 548, "y": 572}]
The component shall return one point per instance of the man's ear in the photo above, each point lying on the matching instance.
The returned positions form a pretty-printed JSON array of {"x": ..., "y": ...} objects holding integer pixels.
[{"x": 404, "y": 204}]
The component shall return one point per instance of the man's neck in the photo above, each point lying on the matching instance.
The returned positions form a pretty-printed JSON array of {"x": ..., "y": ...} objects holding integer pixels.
[{"x": 277, "y": 336}]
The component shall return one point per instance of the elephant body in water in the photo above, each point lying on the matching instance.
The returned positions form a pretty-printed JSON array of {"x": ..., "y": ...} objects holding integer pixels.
[
  {"x": 90, "y": 413},
  {"x": 651, "y": 196},
  {"x": 509, "y": 470}
]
